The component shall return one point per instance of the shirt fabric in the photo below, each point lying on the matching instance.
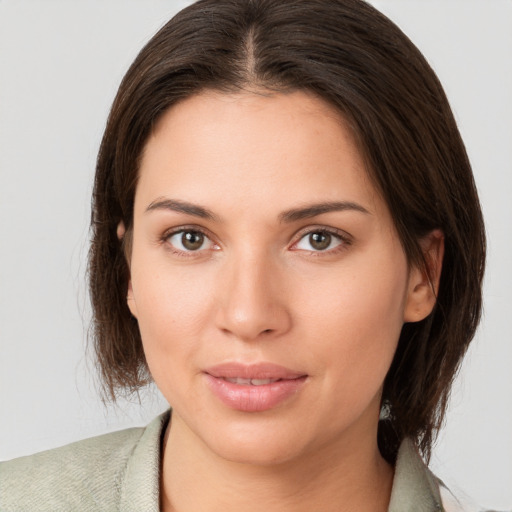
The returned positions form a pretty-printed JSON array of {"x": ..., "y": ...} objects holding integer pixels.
[{"x": 121, "y": 472}]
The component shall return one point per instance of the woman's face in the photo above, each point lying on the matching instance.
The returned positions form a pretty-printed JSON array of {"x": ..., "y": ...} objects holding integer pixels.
[{"x": 267, "y": 277}]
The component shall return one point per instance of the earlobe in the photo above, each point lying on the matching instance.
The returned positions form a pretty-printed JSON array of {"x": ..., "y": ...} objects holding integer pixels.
[{"x": 424, "y": 281}]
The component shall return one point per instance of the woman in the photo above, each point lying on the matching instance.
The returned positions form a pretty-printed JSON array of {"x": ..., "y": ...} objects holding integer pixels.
[{"x": 287, "y": 239}]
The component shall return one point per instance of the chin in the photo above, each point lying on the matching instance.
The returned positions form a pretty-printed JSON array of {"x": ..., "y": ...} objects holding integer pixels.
[
  {"x": 257, "y": 448},
  {"x": 268, "y": 439}
]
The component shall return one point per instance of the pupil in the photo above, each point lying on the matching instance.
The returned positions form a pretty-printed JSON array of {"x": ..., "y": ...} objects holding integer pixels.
[
  {"x": 192, "y": 240},
  {"x": 320, "y": 241}
]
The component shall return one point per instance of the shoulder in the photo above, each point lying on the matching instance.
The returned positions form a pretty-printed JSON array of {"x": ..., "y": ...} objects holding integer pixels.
[
  {"x": 86, "y": 475},
  {"x": 73, "y": 475}
]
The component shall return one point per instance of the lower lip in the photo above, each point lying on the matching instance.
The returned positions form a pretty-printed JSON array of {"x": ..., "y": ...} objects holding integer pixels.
[{"x": 248, "y": 398}]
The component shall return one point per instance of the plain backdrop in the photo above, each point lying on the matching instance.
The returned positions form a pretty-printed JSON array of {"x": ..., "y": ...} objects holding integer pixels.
[{"x": 60, "y": 64}]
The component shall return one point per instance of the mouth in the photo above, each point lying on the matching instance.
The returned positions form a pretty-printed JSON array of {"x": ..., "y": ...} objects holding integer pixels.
[
  {"x": 254, "y": 374},
  {"x": 251, "y": 382},
  {"x": 254, "y": 388}
]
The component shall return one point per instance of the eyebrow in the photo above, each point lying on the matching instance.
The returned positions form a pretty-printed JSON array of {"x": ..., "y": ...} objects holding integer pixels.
[
  {"x": 181, "y": 207},
  {"x": 287, "y": 216},
  {"x": 313, "y": 210}
]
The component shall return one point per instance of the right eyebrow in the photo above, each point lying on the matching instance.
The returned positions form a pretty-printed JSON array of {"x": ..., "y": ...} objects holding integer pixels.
[
  {"x": 176, "y": 205},
  {"x": 313, "y": 210}
]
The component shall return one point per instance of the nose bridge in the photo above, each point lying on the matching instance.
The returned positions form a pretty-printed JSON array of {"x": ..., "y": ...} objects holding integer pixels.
[{"x": 251, "y": 303}]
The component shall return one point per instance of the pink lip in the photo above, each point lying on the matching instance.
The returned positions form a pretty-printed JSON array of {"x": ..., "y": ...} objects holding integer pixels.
[{"x": 252, "y": 398}]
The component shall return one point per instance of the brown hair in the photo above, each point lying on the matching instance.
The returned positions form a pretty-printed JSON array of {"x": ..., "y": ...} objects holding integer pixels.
[{"x": 353, "y": 57}]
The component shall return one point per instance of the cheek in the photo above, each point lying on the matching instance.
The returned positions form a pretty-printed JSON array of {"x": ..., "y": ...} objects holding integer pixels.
[
  {"x": 357, "y": 321},
  {"x": 172, "y": 310}
]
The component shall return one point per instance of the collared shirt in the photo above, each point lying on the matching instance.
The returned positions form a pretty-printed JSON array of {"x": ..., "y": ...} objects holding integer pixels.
[{"x": 121, "y": 472}]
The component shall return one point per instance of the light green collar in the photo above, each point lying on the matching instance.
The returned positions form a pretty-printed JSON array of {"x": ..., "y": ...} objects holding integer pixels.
[{"x": 415, "y": 489}]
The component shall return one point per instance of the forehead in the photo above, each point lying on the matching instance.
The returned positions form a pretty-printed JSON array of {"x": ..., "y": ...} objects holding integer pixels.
[{"x": 292, "y": 147}]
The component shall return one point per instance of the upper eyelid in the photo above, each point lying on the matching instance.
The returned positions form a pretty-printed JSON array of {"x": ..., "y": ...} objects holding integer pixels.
[
  {"x": 178, "y": 229},
  {"x": 322, "y": 229}
]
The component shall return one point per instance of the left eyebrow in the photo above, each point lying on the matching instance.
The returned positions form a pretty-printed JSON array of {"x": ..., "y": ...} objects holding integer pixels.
[
  {"x": 313, "y": 210},
  {"x": 181, "y": 207}
]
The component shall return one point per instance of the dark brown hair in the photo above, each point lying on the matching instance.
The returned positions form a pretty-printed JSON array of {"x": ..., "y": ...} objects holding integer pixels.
[{"x": 357, "y": 60}]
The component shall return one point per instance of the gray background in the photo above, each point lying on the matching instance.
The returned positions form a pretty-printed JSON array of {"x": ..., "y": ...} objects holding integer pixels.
[{"x": 60, "y": 64}]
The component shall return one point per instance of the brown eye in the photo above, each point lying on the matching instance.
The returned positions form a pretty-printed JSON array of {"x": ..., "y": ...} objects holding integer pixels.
[
  {"x": 192, "y": 240},
  {"x": 320, "y": 241}
]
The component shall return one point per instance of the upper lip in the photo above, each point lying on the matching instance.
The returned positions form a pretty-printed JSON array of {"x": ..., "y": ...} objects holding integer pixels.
[{"x": 232, "y": 370}]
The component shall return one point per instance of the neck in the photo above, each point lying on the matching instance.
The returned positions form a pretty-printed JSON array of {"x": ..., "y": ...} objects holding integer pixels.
[{"x": 330, "y": 479}]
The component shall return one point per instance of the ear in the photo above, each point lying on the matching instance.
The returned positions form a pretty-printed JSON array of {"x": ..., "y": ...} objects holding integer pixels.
[
  {"x": 424, "y": 282},
  {"x": 121, "y": 231},
  {"x": 132, "y": 305}
]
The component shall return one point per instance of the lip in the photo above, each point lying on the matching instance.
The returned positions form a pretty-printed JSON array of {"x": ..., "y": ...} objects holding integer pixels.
[
  {"x": 253, "y": 398},
  {"x": 263, "y": 370}
]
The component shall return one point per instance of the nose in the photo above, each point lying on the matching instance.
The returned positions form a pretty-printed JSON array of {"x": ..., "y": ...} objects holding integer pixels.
[{"x": 252, "y": 299}]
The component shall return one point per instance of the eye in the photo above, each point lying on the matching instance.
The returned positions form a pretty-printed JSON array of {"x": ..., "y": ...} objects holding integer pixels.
[
  {"x": 189, "y": 240},
  {"x": 319, "y": 241}
]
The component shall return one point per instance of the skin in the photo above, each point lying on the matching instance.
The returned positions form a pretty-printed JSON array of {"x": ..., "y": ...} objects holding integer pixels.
[{"x": 257, "y": 290}]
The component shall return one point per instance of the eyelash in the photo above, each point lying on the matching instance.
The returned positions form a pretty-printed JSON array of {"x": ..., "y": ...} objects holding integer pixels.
[
  {"x": 344, "y": 239},
  {"x": 184, "y": 229}
]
